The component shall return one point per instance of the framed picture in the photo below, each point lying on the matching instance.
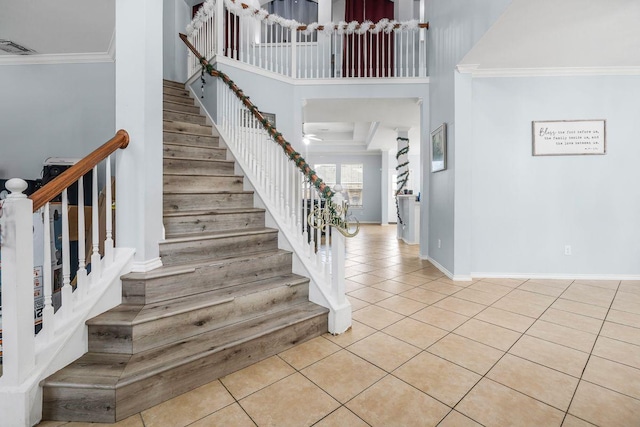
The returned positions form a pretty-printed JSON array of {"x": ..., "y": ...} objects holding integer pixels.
[
  {"x": 439, "y": 148},
  {"x": 568, "y": 137}
]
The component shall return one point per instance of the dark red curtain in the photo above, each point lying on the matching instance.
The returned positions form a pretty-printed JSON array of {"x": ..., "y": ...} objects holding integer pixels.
[{"x": 369, "y": 55}]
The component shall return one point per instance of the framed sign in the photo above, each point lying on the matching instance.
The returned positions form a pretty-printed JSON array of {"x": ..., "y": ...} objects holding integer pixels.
[
  {"x": 439, "y": 148},
  {"x": 569, "y": 137}
]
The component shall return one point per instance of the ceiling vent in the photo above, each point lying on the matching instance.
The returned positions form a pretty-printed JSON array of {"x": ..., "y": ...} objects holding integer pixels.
[{"x": 14, "y": 49}]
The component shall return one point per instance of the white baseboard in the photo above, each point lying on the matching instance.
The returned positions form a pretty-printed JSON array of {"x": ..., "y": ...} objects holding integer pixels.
[
  {"x": 148, "y": 265},
  {"x": 555, "y": 276}
]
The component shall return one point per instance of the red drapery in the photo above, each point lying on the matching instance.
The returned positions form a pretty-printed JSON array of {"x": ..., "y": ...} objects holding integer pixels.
[{"x": 369, "y": 55}]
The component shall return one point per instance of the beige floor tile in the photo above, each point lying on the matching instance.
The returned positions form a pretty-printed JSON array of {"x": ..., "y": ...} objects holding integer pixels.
[
  {"x": 486, "y": 333},
  {"x": 132, "y": 421},
  {"x": 343, "y": 375},
  {"x": 518, "y": 306},
  {"x": 467, "y": 353},
  {"x": 363, "y": 268},
  {"x": 293, "y": 401},
  {"x": 257, "y": 376},
  {"x": 562, "y": 335},
  {"x": 456, "y": 419},
  {"x": 477, "y": 296},
  {"x": 571, "y": 421},
  {"x": 506, "y": 319},
  {"x": 619, "y": 332},
  {"x": 615, "y": 376},
  {"x": 401, "y": 305},
  {"x": 384, "y": 351},
  {"x": 606, "y": 284},
  {"x": 441, "y": 287},
  {"x": 356, "y": 333},
  {"x": 370, "y": 295},
  {"x": 367, "y": 279},
  {"x": 547, "y": 385},
  {"x": 632, "y": 286},
  {"x": 414, "y": 332},
  {"x": 555, "y": 356},
  {"x": 309, "y": 352},
  {"x": 618, "y": 351},
  {"x": 628, "y": 306},
  {"x": 491, "y": 288},
  {"x": 341, "y": 417},
  {"x": 512, "y": 283},
  {"x": 357, "y": 304},
  {"x": 393, "y": 286},
  {"x": 438, "y": 377},
  {"x": 188, "y": 407},
  {"x": 572, "y": 320},
  {"x": 351, "y": 286},
  {"x": 532, "y": 297},
  {"x": 628, "y": 296},
  {"x": 580, "y": 308},
  {"x": 385, "y": 273},
  {"x": 556, "y": 283},
  {"x": 604, "y": 407},
  {"x": 493, "y": 404},
  {"x": 376, "y": 317},
  {"x": 589, "y": 295},
  {"x": 444, "y": 319},
  {"x": 412, "y": 280},
  {"x": 393, "y": 403},
  {"x": 541, "y": 288},
  {"x": 232, "y": 415},
  {"x": 624, "y": 318},
  {"x": 423, "y": 295},
  {"x": 461, "y": 283},
  {"x": 460, "y": 306}
]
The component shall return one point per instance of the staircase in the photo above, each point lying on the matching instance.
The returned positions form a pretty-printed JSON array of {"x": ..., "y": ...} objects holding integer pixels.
[{"x": 225, "y": 297}]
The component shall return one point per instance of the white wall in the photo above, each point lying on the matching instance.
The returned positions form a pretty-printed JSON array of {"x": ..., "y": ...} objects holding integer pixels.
[
  {"x": 525, "y": 209},
  {"x": 176, "y": 15},
  {"x": 454, "y": 27},
  {"x": 63, "y": 110}
]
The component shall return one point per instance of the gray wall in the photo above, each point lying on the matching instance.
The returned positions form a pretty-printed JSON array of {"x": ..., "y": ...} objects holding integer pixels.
[
  {"x": 525, "y": 209},
  {"x": 63, "y": 110},
  {"x": 454, "y": 27},
  {"x": 176, "y": 16}
]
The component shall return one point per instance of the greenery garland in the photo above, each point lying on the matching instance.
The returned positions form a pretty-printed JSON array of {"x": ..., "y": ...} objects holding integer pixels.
[
  {"x": 293, "y": 155},
  {"x": 402, "y": 178}
]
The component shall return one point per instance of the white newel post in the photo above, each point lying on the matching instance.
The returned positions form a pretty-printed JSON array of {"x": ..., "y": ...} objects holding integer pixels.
[
  {"x": 340, "y": 319},
  {"x": 17, "y": 286},
  {"x": 139, "y": 112}
]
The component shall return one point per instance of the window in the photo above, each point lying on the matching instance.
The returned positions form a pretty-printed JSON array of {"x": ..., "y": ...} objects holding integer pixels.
[
  {"x": 351, "y": 177},
  {"x": 327, "y": 172}
]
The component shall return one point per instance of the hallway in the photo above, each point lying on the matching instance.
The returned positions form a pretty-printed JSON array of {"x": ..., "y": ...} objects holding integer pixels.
[{"x": 426, "y": 351}]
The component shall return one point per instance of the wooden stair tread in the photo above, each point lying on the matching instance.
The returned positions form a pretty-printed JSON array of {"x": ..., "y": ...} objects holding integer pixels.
[
  {"x": 186, "y": 144},
  {"x": 125, "y": 315},
  {"x": 218, "y": 234},
  {"x": 213, "y": 191},
  {"x": 220, "y": 211},
  {"x": 161, "y": 359},
  {"x": 193, "y": 159},
  {"x": 179, "y": 132}
]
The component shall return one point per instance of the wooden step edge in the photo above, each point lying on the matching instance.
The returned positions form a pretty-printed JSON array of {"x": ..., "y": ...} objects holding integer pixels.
[
  {"x": 186, "y": 123},
  {"x": 172, "y": 82},
  {"x": 178, "y": 144},
  {"x": 208, "y": 192},
  {"x": 225, "y": 211},
  {"x": 167, "y": 366},
  {"x": 218, "y": 235},
  {"x": 191, "y": 159},
  {"x": 213, "y": 175},
  {"x": 179, "y": 132},
  {"x": 168, "y": 101},
  {"x": 167, "y": 110}
]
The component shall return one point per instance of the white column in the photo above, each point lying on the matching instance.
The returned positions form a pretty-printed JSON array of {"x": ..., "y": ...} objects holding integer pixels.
[{"x": 139, "y": 112}]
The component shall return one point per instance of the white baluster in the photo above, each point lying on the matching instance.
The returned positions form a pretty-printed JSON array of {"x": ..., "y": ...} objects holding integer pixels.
[
  {"x": 67, "y": 302},
  {"x": 47, "y": 286},
  {"x": 294, "y": 54},
  {"x": 81, "y": 274},
  {"x": 108, "y": 242},
  {"x": 96, "y": 270}
]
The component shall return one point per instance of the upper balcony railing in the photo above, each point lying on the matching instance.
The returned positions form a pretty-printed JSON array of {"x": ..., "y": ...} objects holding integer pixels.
[{"x": 234, "y": 30}]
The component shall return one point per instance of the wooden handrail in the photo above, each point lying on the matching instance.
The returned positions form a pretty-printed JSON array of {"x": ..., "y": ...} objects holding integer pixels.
[
  {"x": 296, "y": 157},
  {"x": 71, "y": 175}
]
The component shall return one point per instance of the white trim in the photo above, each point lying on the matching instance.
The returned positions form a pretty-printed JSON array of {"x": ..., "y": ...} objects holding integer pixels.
[
  {"x": 148, "y": 265},
  {"x": 111, "y": 51},
  {"x": 556, "y": 276},
  {"x": 58, "y": 58},
  {"x": 476, "y": 71},
  {"x": 454, "y": 277}
]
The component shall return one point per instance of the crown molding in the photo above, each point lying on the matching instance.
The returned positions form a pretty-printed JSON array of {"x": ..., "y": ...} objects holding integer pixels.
[{"x": 59, "y": 58}]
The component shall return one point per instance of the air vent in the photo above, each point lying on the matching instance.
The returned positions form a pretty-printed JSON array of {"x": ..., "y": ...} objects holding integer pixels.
[{"x": 14, "y": 48}]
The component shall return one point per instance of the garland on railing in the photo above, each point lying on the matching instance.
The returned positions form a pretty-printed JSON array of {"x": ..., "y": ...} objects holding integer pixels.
[
  {"x": 384, "y": 25},
  {"x": 293, "y": 155},
  {"x": 403, "y": 178}
]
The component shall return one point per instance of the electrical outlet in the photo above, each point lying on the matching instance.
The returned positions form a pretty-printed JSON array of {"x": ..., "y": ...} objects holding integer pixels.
[
  {"x": 439, "y": 244},
  {"x": 567, "y": 250}
]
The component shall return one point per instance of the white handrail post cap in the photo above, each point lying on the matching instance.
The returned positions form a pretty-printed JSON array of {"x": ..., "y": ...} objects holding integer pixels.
[{"x": 16, "y": 186}]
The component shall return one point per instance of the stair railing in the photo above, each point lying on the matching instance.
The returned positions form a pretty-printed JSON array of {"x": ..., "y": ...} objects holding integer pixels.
[
  {"x": 240, "y": 32},
  {"x": 45, "y": 301},
  {"x": 313, "y": 217}
]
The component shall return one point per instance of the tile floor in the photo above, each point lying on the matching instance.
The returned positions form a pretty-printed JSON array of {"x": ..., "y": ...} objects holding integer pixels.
[{"x": 427, "y": 351}]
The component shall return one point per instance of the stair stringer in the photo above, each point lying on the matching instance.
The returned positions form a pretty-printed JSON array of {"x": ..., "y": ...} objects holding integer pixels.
[
  {"x": 339, "y": 314},
  {"x": 70, "y": 341}
]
